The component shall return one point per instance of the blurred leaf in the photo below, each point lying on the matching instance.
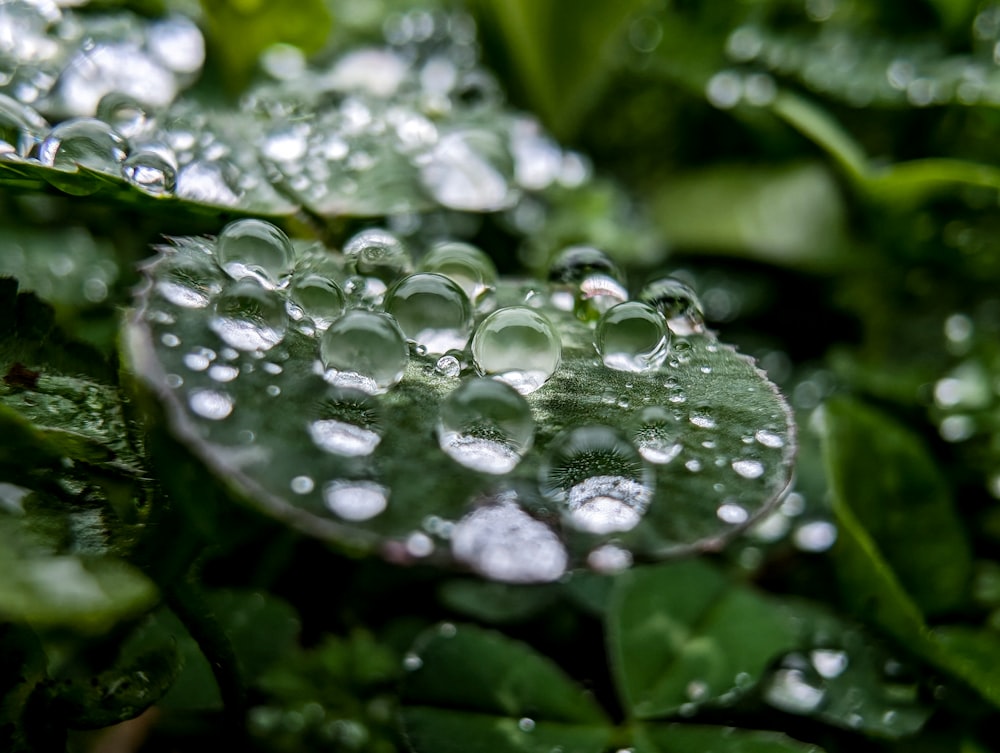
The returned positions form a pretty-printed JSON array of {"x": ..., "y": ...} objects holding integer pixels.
[
  {"x": 686, "y": 738},
  {"x": 496, "y": 602},
  {"x": 892, "y": 487},
  {"x": 22, "y": 668},
  {"x": 562, "y": 53},
  {"x": 240, "y": 30},
  {"x": 684, "y": 634},
  {"x": 473, "y": 689},
  {"x": 790, "y": 216}
]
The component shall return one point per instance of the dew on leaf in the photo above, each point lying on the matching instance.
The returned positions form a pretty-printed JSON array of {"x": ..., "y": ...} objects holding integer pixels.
[
  {"x": 222, "y": 372},
  {"x": 632, "y": 336},
  {"x": 378, "y": 253},
  {"x": 355, "y": 500},
  {"x": 317, "y": 297},
  {"x": 249, "y": 317},
  {"x": 519, "y": 346},
  {"x": 468, "y": 170},
  {"x": 574, "y": 264},
  {"x": 21, "y": 128},
  {"x": 365, "y": 350},
  {"x": 466, "y": 265},
  {"x": 210, "y": 182},
  {"x": 598, "y": 477},
  {"x": 795, "y": 690},
  {"x": 255, "y": 248},
  {"x": 748, "y": 468},
  {"x": 609, "y": 559},
  {"x": 815, "y": 536},
  {"x": 501, "y": 541},
  {"x": 678, "y": 303},
  {"x": 829, "y": 663},
  {"x": 86, "y": 142},
  {"x": 485, "y": 425},
  {"x": 346, "y": 422},
  {"x": 432, "y": 311},
  {"x": 656, "y": 435},
  {"x": 448, "y": 366},
  {"x": 151, "y": 172},
  {"x": 211, "y": 404}
]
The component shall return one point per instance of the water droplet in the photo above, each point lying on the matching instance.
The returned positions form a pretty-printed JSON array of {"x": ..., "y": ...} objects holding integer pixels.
[
  {"x": 769, "y": 439},
  {"x": 525, "y": 724},
  {"x": 485, "y": 425},
  {"x": 702, "y": 420},
  {"x": 830, "y": 663},
  {"x": 210, "y": 182},
  {"x": 815, "y": 536},
  {"x": 374, "y": 70},
  {"x": 656, "y": 434},
  {"x": 503, "y": 542},
  {"x": 199, "y": 359},
  {"x": 346, "y": 422},
  {"x": 319, "y": 298},
  {"x": 249, "y": 317},
  {"x": 302, "y": 484},
  {"x": 255, "y": 248},
  {"x": 448, "y": 366},
  {"x": 222, "y": 372},
  {"x": 599, "y": 477},
  {"x": 432, "y": 311},
  {"x": 365, "y": 350},
  {"x": 20, "y": 127},
  {"x": 177, "y": 43},
  {"x": 632, "y": 336},
  {"x": 149, "y": 170},
  {"x": 795, "y": 691},
  {"x": 419, "y": 545},
  {"x": 609, "y": 559},
  {"x": 466, "y": 265},
  {"x": 210, "y": 404},
  {"x": 749, "y": 468},
  {"x": 596, "y": 295},
  {"x": 124, "y": 113},
  {"x": 412, "y": 662},
  {"x": 732, "y": 513},
  {"x": 468, "y": 170},
  {"x": 378, "y": 253},
  {"x": 355, "y": 500},
  {"x": 574, "y": 264},
  {"x": 170, "y": 340},
  {"x": 87, "y": 142},
  {"x": 519, "y": 346},
  {"x": 678, "y": 303}
]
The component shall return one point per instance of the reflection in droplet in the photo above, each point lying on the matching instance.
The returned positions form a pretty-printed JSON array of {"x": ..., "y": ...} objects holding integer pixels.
[
  {"x": 678, "y": 303},
  {"x": 749, "y": 469},
  {"x": 355, "y": 500},
  {"x": 365, "y": 350},
  {"x": 319, "y": 298},
  {"x": 187, "y": 282},
  {"x": 87, "y": 142},
  {"x": 432, "y": 310},
  {"x": 519, "y": 346},
  {"x": 466, "y": 265},
  {"x": 149, "y": 171},
  {"x": 795, "y": 691},
  {"x": 485, "y": 425},
  {"x": 503, "y": 542},
  {"x": 347, "y": 422},
  {"x": 632, "y": 336},
  {"x": 210, "y": 404},
  {"x": 249, "y": 317},
  {"x": 574, "y": 264},
  {"x": 598, "y": 477},
  {"x": 378, "y": 253},
  {"x": 656, "y": 435},
  {"x": 257, "y": 249}
]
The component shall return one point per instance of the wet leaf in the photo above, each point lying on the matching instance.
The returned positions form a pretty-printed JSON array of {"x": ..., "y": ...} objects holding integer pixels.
[
  {"x": 681, "y": 738},
  {"x": 894, "y": 491},
  {"x": 683, "y": 634},
  {"x": 467, "y": 688},
  {"x": 332, "y": 464}
]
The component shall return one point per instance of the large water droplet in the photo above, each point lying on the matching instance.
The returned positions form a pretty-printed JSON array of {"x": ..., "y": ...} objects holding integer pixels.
[
  {"x": 466, "y": 265},
  {"x": 379, "y": 253},
  {"x": 503, "y": 542},
  {"x": 468, "y": 171},
  {"x": 319, "y": 298},
  {"x": 124, "y": 113},
  {"x": 355, "y": 500},
  {"x": 432, "y": 311},
  {"x": 519, "y": 346},
  {"x": 678, "y": 303},
  {"x": 632, "y": 336},
  {"x": 86, "y": 142},
  {"x": 20, "y": 127},
  {"x": 150, "y": 170},
  {"x": 656, "y": 435},
  {"x": 346, "y": 422},
  {"x": 574, "y": 264},
  {"x": 485, "y": 425},
  {"x": 177, "y": 43},
  {"x": 249, "y": 317},
  {"x": 365, "y": 350},
  {"x": 255, "y": 248},
  {"x": 599, "y": 477}
]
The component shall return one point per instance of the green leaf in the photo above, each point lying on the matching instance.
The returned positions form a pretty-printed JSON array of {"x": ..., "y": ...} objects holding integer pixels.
[
  {"x": 22, "y": 668},
  {"x": 892, "y": 487},
  {"x": 684, "y": 634},
  {"x": 471, "y": 689},
  {"x": 496, "y": 603},
  {"x": 240, "y": 30},
  {"x": 683, "y": 738},
  {"x": 544, "y": 42},
  {"x": 727, "y": 429}
]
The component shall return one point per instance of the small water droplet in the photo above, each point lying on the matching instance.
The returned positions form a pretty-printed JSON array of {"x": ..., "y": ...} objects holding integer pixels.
[
  {"x": 432, "y": 310},
  {"x": 485, "y": 425},
  {"x": 749, "y": 469},
  {"x": 223, "y": 372},
  {"x": 599, "y": 478},
  {"x": 170, "y": 340},
  {"x": 702, "y": 420},
  {"x": 448, "y": 366},
  {"x": 815, "y": 536},
  {"x": 609, "y": 559},
  {"x": 501, "y": 541},
  {"x": 526, "y": 724},
  {"x": 302, "y": 484},
  {"x": 257, "y": 249},
  {"x": 769, "y": 438},
  {"x": 519, "y": 346},
  {"x": 355, "y": 500},
  {"x": 377, "y": 253},
  {"x": 732, "y": 513},
  {"x": 632, "y": 336},
  {"x": 412, "y": 662},
  {"x": 795, "y": 691},
  {"x": 249, "y": 317},
  {"x": 346, "y": 422},
  {"x": 211, "y": 404},
  {"x": 365, "y": 350},
  {"x": 678, "y": 303}
]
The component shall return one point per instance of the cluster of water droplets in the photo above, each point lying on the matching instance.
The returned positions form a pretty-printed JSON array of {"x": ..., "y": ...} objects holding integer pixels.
[{"x": 332, "y": 370}]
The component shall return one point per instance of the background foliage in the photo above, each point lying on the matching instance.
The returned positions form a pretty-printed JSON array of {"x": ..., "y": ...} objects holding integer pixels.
[{"x": 824, "y": 173}]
